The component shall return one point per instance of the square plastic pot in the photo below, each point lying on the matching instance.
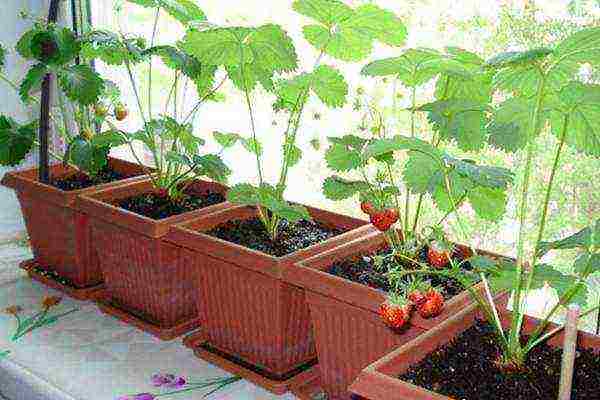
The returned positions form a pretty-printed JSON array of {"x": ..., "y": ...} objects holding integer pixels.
[
  {"x": 348, "y": 330},
  {"x": 58, "y": 229},
  {"x": 379, "y": 381},
  {"x": 147, "y": 284},
  {"x": 246, "y": 309}
]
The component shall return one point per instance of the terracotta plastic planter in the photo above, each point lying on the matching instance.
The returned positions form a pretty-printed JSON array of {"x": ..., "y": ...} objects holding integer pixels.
[
  {"x": 247, "y": 311},
  {"x": 379, "y": 380},
  {"x": 59, "y": 231},
  {"x": 147, "y": 284},
  {"x": 348, "y": 330}
]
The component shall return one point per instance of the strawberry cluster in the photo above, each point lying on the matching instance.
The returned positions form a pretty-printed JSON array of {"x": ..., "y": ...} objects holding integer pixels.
[
  {"x": 382, "y": 219},
  {"x": 397, "y": 312}
]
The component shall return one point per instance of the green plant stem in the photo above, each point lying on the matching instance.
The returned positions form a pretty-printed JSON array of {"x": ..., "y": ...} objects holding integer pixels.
[
  {"x": 517, "y": 320},
  {"x": 9, "y": 82},
  {"x": 548, "y": 194},
  {"x": 202, "y": 100},
  {"x": 135, "y": 91},
  {"x": 412, "y": 135},
  {"x": 152, "y": 40}
]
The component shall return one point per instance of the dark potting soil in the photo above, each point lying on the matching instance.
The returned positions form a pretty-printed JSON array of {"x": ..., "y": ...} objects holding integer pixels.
[
  {"x": 54, "y": 276},
  {"x": 157, "y": 207},
  {"x": 292, "y": 236},
  {"x": 79, "y": 180},
  {"x": 362, "y": 269},
  {"x": 466, "y": 369}
]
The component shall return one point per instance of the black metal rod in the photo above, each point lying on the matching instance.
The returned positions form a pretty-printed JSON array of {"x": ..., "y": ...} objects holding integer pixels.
[{"x": 44, "y": 161}]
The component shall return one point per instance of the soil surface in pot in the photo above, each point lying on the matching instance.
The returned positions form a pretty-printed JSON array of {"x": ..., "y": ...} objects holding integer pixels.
[
  {"x": 466, "y": 369},
  {"x": 154, "y": 206},
  {"x": 80, "y": 180},
  {"x": 292, "y": 236},
  {"x": 363, "y": 269}
]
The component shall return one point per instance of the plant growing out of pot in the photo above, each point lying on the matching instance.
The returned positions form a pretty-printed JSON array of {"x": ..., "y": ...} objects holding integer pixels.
[
  {"x": 57, "y": 50},
  {"x": 167, "y": 136},
  {"x": 257, "y": 55},
  {"x": 449, "y": 181},
  {"x": 515, "y": 353}
]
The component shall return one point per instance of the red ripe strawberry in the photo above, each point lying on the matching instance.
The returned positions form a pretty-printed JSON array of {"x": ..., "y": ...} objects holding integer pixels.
[
  {"x": 162, "y": 193},
  {"x": 384, "y": 220},
  {"x": 438, "y": 255},
  {"x": 367, "y": 207},
  {"x": 417, "y": 297},
  {"x": 433, "y": 304},
  {"x": 395, "y": 315}
]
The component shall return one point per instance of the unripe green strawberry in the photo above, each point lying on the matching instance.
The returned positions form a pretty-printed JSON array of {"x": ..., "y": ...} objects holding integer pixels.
[{"x": 121, "y": 112}]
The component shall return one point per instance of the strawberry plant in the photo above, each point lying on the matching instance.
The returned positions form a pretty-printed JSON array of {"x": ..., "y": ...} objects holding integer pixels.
[
  {"x": 167, "y": 136},
  {"x": 459, "y": 113},
  {"x": 55, "y": 50},
  {"x": 541, "y": 88},
  {"x": 253, "y": 55}
]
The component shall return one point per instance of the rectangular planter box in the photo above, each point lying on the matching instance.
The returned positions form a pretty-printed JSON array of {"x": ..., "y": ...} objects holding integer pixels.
[
  {"x": 58, "y": 230},
  {"x": 348, "y": 330},
  {"x": 246, "y": 309},
  {"x": 146, "y": 283},
  {"x": 379, "y": 380}
]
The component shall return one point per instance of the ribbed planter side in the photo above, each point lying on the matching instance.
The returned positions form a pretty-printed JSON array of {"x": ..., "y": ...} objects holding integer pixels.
[
  {"x": 146, "y": 276},
  {"x": 345, "y": 316},
  {"x": 348, "y": 339},
  {"x": 379, "y": 381},
  {"x": 253, "y": 316},
  {"x": 246, "y": 309},
  {"x": 58, "y": 230}
]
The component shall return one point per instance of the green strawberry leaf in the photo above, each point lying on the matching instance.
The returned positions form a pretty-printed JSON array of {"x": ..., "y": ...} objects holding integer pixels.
[
  {"x": 184, "y": 11},
  {"x": 344, "y": 156},
  {"x": 243, "y": 194},
  {"x": 81, "y": 84},
  {"x": 518, "y": 58},
  {"x": 268, "y": 47},
  {"x": 112, "y": 138},
  {"x": 462, "y": 120},
  {"x": 488, "y": 203},
  {"x": 226, "y": 140},
  {"x": 511, "y": 124},
  {"x": 326, "y": 82},
  {"x": 253, "y": 146},
  {"x": 336, "y": 188},
  {"x": 562, "y": 283},
  {"x": 585, "y": 238},
  {"x": 463, "y": 77},
  {"x": 32, "y": 81},
  {"x": 348, "y": 34},
  {"x": 581, "y": 47},
  {"x": 587, "y": 264},
  {"x": 328, "y": 12},
  {"x": 112, "y": 49},
  {"x": 16, "y": 140},
  {"x": 86, "y": 156},
  {"x": 413, "y": 68},
  {"x": 252, "y": 74},
  {"x": 211, "y": 166},
  {"x": 580, "y": 104},
  {"x": 24, "y": 44},
  {"x": 2, "y": 57},
  {"x": 54, "y": 46}
]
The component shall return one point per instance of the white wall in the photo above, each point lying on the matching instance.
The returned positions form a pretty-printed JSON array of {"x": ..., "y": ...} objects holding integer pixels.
[{"x": 11, "y": 222}]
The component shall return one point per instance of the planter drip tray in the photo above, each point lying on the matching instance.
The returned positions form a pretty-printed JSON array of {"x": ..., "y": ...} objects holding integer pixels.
[
  {"x": 47, "y": 277},
  {"x": 112, "y": 308},
  {"x": 301, "y": 377}
]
